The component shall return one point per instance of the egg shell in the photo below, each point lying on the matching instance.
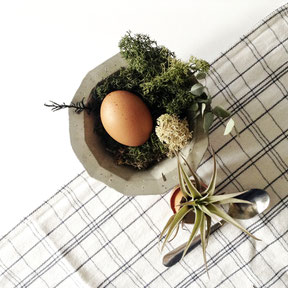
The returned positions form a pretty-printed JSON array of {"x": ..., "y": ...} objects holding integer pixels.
[{"x": 126, "y": 118}]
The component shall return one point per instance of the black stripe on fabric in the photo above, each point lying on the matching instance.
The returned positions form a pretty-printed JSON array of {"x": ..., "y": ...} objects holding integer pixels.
[
  {"x": 283, "y": 18},
  {"x": 49, "y": 233},
  {"x": 279, "y": 274},
  {"x": 10, "y": 276}
]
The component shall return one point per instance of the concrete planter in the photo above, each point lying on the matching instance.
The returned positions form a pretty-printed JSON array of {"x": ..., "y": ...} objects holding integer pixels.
[{"x": 99, "y": 163}]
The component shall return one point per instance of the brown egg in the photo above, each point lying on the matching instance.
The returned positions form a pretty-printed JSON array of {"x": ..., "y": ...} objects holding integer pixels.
[{"x": 126, "y": 118}]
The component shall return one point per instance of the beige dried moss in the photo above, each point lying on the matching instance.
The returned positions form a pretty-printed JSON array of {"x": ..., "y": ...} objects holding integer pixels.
[{"x": 173, "y": 132}]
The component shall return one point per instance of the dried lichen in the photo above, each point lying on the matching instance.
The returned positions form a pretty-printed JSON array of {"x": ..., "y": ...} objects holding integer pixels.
[{"x": 173, "y": 132}]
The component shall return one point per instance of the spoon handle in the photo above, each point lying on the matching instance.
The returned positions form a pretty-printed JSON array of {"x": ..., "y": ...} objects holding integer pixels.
[{"x": 175, "y": 255}]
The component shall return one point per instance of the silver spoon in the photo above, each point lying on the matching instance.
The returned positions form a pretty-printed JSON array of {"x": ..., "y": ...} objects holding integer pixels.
[{"x": 260, "y": 200}]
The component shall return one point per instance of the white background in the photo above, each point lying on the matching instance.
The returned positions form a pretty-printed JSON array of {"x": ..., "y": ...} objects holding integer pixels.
[{"x": 46, "y": 49}]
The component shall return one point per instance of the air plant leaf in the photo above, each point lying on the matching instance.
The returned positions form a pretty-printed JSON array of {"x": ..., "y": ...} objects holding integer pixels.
[
  {"x": 203, "y": 238},
  {"x": 207, "y": 212},
  {"x": 234, "y": 200},
  {"x": 198, "y": 218},
  {"x": 176, "y": 232},
  {"x": 195, "y": 176},
  {"x": 166, "y": 227},
  {"x": 208, "y": 220},
  {"x": 192, "y": 189},
  {"x": 177, "y": 219},
  {"x": 217, "y": 198},
  {"x": 185, "y": 192},
  {"x": 221, "y": 213},
  {"x": 211, "y": 188},
  {"x": 189, "y": 203}
]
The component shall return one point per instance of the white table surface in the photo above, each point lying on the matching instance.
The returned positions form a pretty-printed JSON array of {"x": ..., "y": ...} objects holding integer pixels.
[{"x": 47, "y": 47}]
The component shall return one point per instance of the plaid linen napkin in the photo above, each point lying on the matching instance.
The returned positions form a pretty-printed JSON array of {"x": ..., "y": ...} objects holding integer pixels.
[{"x": 88, "y": 235}]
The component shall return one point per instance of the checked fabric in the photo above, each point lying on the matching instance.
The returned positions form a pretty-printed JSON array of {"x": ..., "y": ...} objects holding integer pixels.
[{"x": 88, "y": 235}]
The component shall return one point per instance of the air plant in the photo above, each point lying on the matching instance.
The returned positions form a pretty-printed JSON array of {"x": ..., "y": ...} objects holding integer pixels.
[{"x": 205, "y": 205}]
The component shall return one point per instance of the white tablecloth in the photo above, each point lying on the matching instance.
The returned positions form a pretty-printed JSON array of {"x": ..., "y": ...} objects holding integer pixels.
[{"x": 88, "y": 235}]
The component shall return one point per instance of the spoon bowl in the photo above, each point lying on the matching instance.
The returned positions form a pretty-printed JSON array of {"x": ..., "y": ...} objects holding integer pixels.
[{"x": 259, "y": 199}]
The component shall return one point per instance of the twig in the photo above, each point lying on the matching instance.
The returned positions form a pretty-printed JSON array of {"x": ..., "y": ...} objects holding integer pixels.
[{"x": 78, "y": 106}]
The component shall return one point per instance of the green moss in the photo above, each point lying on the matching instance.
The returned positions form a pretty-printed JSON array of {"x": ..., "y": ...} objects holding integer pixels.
[
  {"x": 143, "y": 156},
  {"x": 199, "y": 64},
  {"x": 124, "y": 79},
  {"x": 144, "y": 55},
  {"x": 162, "y": 81}
]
